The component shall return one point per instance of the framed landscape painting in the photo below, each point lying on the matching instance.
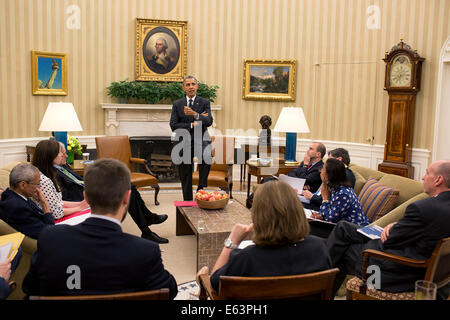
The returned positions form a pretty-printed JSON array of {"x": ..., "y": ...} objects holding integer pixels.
[
  {"x": 49, "y": 73},
  {"x": 272, "y": 80},
  {"x": 161, "y": 50}
]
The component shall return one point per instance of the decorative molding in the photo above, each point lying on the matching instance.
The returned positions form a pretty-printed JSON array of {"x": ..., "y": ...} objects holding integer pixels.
[{"x": 119, "y": 115}]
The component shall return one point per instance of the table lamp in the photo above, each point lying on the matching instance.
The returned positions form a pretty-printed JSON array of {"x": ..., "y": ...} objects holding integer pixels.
[
  {"x": 292, "y": 121},
  {"x": 60, "y": 117}
]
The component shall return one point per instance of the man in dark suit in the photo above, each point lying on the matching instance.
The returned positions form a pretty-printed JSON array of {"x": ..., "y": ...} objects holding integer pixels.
[
  {"x": 415, "y": 236},
  {"x": 95, "y": 256},
  {"x": 190, "y": 119},
  {"x": 310, "y": 167},
  {"x": 315, "y": 199},
  {"x": 72, "y": 187},
  {"x": 18, "y": 209}
]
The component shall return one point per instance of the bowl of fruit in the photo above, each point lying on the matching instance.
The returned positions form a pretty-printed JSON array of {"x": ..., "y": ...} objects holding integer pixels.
[{"x": 211, "y": 200}]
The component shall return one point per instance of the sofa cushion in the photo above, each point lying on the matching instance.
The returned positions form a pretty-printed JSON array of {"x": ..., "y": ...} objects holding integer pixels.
[
  {"x": 377, "y": 199},
  {"x": 4, "y": 178},
  {"x": 360, "y": 181}
]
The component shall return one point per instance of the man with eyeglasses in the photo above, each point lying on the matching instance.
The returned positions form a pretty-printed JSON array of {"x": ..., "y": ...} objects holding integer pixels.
[{"x": 18, "y": 207}]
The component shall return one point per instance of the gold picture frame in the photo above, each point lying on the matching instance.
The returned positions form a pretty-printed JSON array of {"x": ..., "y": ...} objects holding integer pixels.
[
  {"x": 270, "y": 80},
  {"x": 49, "y": 73},
  {"x": 170, "y": 39}
]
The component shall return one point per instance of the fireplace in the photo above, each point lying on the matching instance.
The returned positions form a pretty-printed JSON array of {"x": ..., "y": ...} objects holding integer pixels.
[{"x": 156, "y": 150}]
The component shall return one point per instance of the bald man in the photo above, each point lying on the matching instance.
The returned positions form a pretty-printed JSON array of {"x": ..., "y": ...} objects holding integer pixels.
[{"x": 414, "y": 236}]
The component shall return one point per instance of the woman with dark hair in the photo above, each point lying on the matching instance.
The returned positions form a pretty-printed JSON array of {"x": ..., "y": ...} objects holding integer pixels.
[
  {"x": 339, "y": 202},
  {"x": 280, "y": 232},
  {"x": 45, "y": 156}
]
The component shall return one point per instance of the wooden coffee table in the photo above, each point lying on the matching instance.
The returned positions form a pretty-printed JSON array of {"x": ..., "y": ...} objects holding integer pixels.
[{"x": 218, "y": 226}]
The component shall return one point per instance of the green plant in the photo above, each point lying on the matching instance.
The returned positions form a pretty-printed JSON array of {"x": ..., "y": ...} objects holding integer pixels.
[
  {"x": 151, "y": 92},
  {"x": 207, "y": 92},
  {"x": 122, "y": 89}
]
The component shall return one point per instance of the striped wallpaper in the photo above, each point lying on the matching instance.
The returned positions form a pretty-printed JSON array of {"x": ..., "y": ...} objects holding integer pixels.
[{"x": 340, "y": 72}]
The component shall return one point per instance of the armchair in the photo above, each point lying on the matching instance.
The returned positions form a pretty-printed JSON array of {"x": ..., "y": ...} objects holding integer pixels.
[
  {"x": 118, "y": 147},
  {"x": 310, "y": 286},
  {"x": 221, "y": 172},
  {"x": 437, "y": 270}
]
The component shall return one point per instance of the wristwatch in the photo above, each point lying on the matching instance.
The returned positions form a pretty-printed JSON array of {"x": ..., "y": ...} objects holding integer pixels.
[{"x": 229, "y": 244}]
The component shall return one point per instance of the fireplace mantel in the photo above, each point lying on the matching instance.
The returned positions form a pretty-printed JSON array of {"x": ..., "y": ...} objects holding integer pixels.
[{"x": 140, "y": 119}]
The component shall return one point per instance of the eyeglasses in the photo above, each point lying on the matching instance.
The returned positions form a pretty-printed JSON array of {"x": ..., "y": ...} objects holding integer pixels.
[{"x": 34, "y": 184}]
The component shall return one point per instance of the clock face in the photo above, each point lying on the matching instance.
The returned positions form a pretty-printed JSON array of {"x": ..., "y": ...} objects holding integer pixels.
[{"x": 400, "y": 72}]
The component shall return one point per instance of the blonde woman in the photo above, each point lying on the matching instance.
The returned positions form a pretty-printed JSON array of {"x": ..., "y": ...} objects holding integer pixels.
[{"x": 280, "y": 232}]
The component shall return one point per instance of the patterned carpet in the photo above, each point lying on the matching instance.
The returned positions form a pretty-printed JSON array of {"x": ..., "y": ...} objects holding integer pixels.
[{"x": 188, "y": 291}]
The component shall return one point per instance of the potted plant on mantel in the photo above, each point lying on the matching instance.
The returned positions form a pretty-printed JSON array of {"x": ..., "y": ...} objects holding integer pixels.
[{"x": 152, "y": 92}]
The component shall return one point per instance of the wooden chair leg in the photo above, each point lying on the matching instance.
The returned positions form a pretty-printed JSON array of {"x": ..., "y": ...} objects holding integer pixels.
[
  {"x": 231, "y": 190},
  {"x": 156, "y": 187}
]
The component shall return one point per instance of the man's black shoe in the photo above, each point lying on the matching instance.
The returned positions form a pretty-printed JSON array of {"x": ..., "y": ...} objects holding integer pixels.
[
  {"x": 157, "y": 218},
  {"x": 154, "y": 237}
]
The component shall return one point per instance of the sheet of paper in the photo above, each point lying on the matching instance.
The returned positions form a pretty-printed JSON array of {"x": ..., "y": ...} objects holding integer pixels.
[
  {"x": 296, "y": 183},
  {"x": 4, "y": 251},
  {"x": 308, "y": 213},
  {"x": 245, "y": 244}
]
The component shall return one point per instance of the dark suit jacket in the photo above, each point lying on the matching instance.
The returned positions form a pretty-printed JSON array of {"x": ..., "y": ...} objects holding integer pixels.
[
  {"x": 71, "y": 191},
  {"x": 312, "y": 175},
  {"x": 414, "y": 236},
  {"x": 178, "y": 120},
  {"x": 109, "y": 260},
  {"x": 24, "y": 216},
  {"x": 309, "y": 255}
]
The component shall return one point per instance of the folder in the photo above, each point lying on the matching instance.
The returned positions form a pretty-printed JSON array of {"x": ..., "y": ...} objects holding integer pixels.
[{"x": 9, "y": 245}]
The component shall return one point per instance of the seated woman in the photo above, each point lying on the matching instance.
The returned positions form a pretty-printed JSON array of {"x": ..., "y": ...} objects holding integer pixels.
[
  {"x": 340, "y": 201},
  {"x": 280, "y": 233},
  {"x": 45, "y": 156}
]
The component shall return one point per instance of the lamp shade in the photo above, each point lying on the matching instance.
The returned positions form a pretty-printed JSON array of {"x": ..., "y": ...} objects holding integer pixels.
[
  {"x": 291, "y": 119},
  {"x": 60, "y": 116}
]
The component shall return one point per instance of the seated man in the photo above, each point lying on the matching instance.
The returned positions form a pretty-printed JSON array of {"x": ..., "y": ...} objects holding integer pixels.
[
  {"x": 414, "y": 236},
  {"x": 309, "y": 168},
  {"x": 72, "y": 186},
  {"x": 95, "y": 256},
  {"x": 315, "y": 199},
  {"x": 18, "y": 209}
]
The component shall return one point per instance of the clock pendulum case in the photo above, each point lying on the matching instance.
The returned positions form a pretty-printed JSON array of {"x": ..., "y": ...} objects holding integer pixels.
[{"x": 402, "y": 82}]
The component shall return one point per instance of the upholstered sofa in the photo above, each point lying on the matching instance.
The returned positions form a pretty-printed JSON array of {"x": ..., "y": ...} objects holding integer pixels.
[
  {"x": 28, "y": 245},
  {"x": 409, "y": 191}
]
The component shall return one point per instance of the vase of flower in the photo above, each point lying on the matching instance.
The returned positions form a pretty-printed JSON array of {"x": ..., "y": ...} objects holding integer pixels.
[
  {"x": 73, "y": 146},
  {"x": 70, "y": 157}
]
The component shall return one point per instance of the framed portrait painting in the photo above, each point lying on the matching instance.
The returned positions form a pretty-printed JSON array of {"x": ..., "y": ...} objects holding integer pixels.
[
  {"x": 49, "y": 73},
  {"x": 272, "y": 80},
  {"x": 161, "y": 50}
]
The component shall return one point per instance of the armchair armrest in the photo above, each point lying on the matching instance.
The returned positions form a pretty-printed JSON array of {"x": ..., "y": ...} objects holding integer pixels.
[
  {"x": 387, "y": 256},
  {"x": 145, "y": 163},
  {"x": 205, "y": 288}
]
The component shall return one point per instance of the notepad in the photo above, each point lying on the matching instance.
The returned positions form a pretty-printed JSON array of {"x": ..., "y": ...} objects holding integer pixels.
[{"x": 372, "y": 232}]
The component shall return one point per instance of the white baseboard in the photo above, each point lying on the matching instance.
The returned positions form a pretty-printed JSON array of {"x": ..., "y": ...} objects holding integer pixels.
[{"x": 362, "y": 154}]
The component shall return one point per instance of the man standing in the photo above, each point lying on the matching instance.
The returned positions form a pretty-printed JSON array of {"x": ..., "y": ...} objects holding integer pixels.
[
  {"x": 95, "y": 256},
  {"x": 190, "y": 119},
  {"x": 414, "y": 236},
  {"x": 72, "y": 186},
  {"x": 18, "y": 209},
  {"x": 310, "y": 167}
]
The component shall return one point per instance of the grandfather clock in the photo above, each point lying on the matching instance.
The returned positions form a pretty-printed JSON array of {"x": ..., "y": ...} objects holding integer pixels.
[{"x": 402, "y": 82}]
